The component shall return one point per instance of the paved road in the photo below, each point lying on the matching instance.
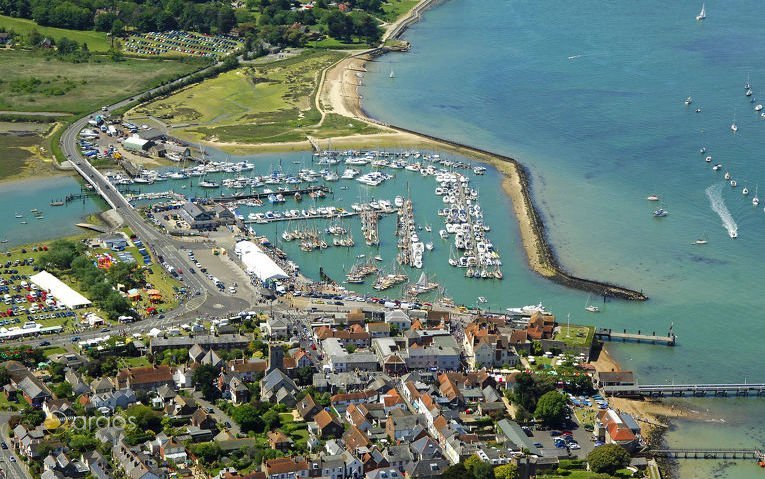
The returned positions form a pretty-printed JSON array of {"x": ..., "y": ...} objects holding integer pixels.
[
  {"x": 209, "y": 301},
  {"x": 220, "y": 417},
  {"x": 10, "y": 468}
]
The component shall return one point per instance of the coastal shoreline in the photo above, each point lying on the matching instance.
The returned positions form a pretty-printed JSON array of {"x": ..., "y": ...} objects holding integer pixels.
[{"x": 339, "y": 92}]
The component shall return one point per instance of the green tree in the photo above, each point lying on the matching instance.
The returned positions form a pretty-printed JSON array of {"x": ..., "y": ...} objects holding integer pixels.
[
  {"x": 207, "y": 452},
  {"x": 506, "y": 471},
  {"x": 456, "y": 471},
  {"x": 145, "y": 418},
  {"x": 271, "y": 420},
  {"x": 477, "y": 469},
  {"x": 5, "y": 378},
  {"x": 608, "y": 458},
  {"x": 551, "y": 408},
  {"x": 128, "y": 274},
  {"x": 248, "y": 417},
  {"x": 204, "y": 377},
  {"x": 82, "y": 443}
]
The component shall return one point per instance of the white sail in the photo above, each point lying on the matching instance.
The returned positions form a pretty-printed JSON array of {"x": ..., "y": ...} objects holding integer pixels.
[{"x": 703, "y": 13}]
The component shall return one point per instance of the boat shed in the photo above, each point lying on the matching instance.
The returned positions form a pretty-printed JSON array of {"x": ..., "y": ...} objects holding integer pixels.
[
  {"x": 257, "y": 263},
  {"x": 63, "y": 293},
  {"x": 135, "y": 143}
]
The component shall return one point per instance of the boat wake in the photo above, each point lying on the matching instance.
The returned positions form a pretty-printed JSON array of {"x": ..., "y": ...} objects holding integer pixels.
[{"x": 716, "y": 201}]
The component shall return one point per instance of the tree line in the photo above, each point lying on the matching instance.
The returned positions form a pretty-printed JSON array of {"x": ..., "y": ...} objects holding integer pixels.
[{"x": 271, "y": 22}]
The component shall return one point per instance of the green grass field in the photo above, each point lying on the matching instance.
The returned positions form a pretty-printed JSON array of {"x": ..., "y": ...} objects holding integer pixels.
[
  {"x": 36, "y": 82},
  {"x": 395, "y": 8},
  {"x": 97, "y": 41},
  {"x": 575, "y": 335},
  {"x": 268, "y": 103}
]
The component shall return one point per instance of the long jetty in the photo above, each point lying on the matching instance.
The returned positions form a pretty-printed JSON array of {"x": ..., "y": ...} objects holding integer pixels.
[
  {"x": 607, "y": 334},
  {"x": 728, "y": 454},
  {"x": 693, "y": 390},
  {"x": 250, "y": 196}
]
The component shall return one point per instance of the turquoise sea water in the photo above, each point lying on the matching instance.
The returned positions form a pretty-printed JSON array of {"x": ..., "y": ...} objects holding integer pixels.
[
  {"x": 19, "y": 197},
  {"x": 600, "y": 131}
]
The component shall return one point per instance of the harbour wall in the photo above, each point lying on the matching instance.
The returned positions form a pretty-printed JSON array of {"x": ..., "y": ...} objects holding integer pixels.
[{"x": 547, "y": 263}]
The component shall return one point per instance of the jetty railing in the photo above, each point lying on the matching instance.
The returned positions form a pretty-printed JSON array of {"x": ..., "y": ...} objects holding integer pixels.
[{"x": 693, "y": 390}]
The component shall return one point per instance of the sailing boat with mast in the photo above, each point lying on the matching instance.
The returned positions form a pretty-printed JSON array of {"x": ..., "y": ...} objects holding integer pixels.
[
  {"x": 591, "y": 307},
  {"x": 702, "y": 14},
  {"x": 756, "y": 199},
  {"x": 423, "y": 285}
]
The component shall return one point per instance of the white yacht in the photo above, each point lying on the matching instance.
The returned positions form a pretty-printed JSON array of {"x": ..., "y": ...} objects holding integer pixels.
[{"x": 702, "y": 14}]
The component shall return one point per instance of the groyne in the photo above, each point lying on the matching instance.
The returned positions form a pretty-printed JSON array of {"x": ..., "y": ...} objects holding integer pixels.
[{"x": 546, "y": 262}]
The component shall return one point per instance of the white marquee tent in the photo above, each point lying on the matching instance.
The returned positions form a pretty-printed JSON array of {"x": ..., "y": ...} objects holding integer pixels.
[
  {"x": 258, "y": 263},
  {"x": 59, "y": 290}
]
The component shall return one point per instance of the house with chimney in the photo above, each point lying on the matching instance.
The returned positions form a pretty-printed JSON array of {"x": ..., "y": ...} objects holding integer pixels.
[{"x": 307, "y": 408}]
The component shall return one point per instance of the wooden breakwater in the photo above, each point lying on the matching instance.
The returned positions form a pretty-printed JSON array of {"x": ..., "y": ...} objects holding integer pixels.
[{"x": 547, "y": 255}]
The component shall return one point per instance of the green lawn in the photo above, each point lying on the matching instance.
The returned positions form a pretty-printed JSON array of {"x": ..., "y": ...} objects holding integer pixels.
[
  {"x": 575, "y": 335},
  {"x": 269, "y": 103},
  {"x": 33, "y": 81},
  {"x": 136, "y": 362},
  {"x": 395, "y": 8},
  {"x": 97, "y": 41},
  {"x": 50, "y": 351}
]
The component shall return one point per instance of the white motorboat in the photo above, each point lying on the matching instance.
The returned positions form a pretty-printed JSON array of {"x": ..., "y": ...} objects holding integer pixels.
[
  {"x": 756, "y": 199},
  {"x": 443, "y": 234},
  {"x": 429, "y": 246},
  {"x": 660, "y": 213},
  {"x": 702, "y": 14},
  {"x": 733, "y": 234},
  {"x": 700, "y": 241},
  {"x": 653, "y": 198},
  {"x": 708, "y": 159},
  {"x": 733, "y": 183},
  {"x": 745, "y": 191},
  {"x": 748, "y": 92},
  {"x": 688, "y": 101},
  {"x": 591, "y": 307},
  {"x": 727, "y": 175},
  {"x": 734, "y": 127},
  {"x": 758, "y": 107}
]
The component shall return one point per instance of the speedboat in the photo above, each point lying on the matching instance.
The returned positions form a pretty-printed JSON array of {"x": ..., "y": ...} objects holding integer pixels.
[
  {"x": 592, "y": 308},
  {"x": 688, "y": 101},
  {"x": 733, "y": 234},
  {"x": 758, "y": 107},
  {"x": 733, "y": 183},
  {"x": 660, "y": 213},
  {"x": 653, "y": 198},
  {"x": 708, "y": 159},
  {"x": 734, "y": 127},
  {"x": 745, "y": 191}
]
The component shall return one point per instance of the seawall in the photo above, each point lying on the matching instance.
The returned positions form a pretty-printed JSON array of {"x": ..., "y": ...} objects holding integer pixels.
[{"x": 542, "y": 257}]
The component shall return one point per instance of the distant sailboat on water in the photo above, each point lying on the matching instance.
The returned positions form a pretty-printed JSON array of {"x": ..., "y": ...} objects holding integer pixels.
[
  {"x": 702, "y": 14},
  {"x": 392, "y": 75}
]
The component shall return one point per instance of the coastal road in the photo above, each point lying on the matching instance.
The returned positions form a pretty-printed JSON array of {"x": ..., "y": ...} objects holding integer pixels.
[{"x": 209, "y": 300}]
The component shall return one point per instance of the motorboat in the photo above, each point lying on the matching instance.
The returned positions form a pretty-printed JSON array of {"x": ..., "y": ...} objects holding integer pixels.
[
  {"x": 733, "y": 183},
  {"x": 660, "y": 213},
  {"x": 700, "y": 241},
  {"x": 708, "y": 159},
  {"x": 745, "y": 191},
  {"x": 688, "y": 101},
  {"x": 653, "y": 198},
  {"x": 727, "y": 175},
  {"x": 734, "y": 127},
  {"x": 758, "y": 107},
  {"x": 733, "y": 234}
]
